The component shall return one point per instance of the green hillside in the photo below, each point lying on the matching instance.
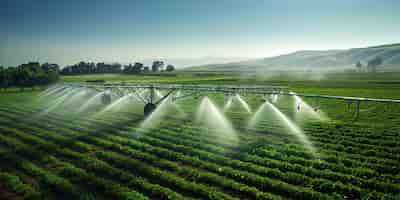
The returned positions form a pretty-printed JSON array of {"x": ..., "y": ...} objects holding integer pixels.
[{"x": 316, "y": 60}]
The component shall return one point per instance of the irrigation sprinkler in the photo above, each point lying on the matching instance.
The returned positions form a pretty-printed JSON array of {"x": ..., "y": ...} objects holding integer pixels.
[
  {"x": 152, "y": 104},
  {"x": 195, "y": 91}
]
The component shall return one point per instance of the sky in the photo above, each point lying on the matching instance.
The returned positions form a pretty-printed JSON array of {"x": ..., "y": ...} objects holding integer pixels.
[{"x": 69, "y": 31}]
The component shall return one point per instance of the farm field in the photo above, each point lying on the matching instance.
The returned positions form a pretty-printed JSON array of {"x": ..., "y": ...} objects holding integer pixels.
[{"x": 66, "y": 148}]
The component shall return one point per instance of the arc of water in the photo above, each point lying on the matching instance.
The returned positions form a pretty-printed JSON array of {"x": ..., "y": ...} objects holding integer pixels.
[
  {"x": 178, "y": 94},
  {"x": 57, "y": 102},
  {"x": 156, "y": 115},
  {"x": 244, "y": 104},
  {"x": 176, "y": 106},
  {"x": 79, "y": 93},
  {"x": 257, "y": 116},
  {"x": 52, "y": 90},
  {"x": 60, "y": 92},
  {"x": 228, "y": 104},
  {"x": 294, "y": 130},
  {"x": 209, "y": 115},
  {"x": 116, "y": 103},
  {"x": 305, "y": 108},
  {"x": 89, "y": 102},
  {"x": 274, "y": 98},
  {"x": 158, "y": 94}
]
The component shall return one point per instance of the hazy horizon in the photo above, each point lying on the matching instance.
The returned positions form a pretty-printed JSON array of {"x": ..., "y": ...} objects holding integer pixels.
[{"x": 66, "y": 32}]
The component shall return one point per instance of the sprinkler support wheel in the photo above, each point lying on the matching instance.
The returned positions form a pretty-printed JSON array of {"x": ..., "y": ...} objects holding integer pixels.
[{"x": 149, "y": 108}]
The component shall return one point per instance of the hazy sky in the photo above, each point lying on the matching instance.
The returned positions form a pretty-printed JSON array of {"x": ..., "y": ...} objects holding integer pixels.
[{"x": 68, "y": 31}]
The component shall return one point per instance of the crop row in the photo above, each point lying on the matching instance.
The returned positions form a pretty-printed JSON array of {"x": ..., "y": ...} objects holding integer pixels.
[
  {"x": 298, "y": 152},
  {"x": 62, "y": 186},
  {"x": 277, "y": 187},
  {"x": 235, "y": 186},
  {"x": 16, "y": 185},
  {"x": 260, "y": 171},
  {"x": 155, "y": 174},
  {"x": 92, "y": 164}
]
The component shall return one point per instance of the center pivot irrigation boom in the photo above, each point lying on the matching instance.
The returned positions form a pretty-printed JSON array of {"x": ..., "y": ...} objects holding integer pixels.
[{"x": 151, "y": 101}]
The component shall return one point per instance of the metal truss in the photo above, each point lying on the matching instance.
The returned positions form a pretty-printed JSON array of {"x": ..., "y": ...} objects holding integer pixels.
[{"x": 198, "y": 90}]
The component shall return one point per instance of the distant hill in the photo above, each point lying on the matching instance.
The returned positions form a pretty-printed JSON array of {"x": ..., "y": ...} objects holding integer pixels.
[{"x": 314, "y": 60}]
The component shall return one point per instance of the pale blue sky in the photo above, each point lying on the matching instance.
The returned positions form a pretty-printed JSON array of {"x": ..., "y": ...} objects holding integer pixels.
[{"x": 68, "y": 31}]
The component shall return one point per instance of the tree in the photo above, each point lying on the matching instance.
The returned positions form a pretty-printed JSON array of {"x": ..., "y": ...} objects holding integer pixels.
[
  {"x": 91, "y": 68},
  {"x": 359, "y": 65},
  {"x": 157, "y": 66},
  {"x": 133, "y": 69},
  {"x": 374, "y": 63},
  {"x": 170, "y": 68},
  {"x": 48, "y": 66},
  {"x": 29, "y": 74},
  {"x": 52, "y": 76},
  {"x": 115, "y": 68},
  {"x": 137, "y": 68}
]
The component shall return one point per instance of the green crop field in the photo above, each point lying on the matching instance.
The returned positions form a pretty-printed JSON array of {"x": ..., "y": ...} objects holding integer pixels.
[{"x": 53, "y": 147}]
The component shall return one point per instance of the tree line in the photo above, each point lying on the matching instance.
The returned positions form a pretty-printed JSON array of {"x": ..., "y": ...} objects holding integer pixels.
[
  {"x": 28, "y": 75},
  {"x": 93, "y": 68},
  {"x": 34, "y": 73}
]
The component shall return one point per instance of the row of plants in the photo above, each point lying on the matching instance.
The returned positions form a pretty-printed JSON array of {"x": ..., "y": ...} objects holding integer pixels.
[
  {"x": 14, "y": 184},
  {"x": 65, "y": 186},
  {"x": 180, "y": 183},
  {"x": 311, "y": 172},
  {"x": 330, "y": 132},
  {"x": 216, "y": 179},
  {"x": 294, "y": 189},
  {"x": 242, "y": 188},
  {"x": 48, "y": 181},
  {"x": 361, "y": 172}
]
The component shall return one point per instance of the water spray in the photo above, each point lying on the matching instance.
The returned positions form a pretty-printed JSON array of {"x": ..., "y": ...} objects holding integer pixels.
[
  {"x": 293, "y": 128},
  {"x": 244, "y": 104},
  {"x": 210, "y": 116},
  {"x": 305, "y": 110}
]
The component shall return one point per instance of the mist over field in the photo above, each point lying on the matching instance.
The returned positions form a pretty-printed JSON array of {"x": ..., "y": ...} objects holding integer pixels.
[{"x": 319, "y": 61}]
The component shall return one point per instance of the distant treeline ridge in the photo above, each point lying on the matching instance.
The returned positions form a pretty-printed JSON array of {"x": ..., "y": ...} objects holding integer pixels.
[
  {"x": 34, "y": 73},
  {"x": 93, "y": 68}
]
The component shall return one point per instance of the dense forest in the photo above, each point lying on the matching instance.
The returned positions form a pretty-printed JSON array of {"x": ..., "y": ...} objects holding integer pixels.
[{"x": 28, "y": 75}]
